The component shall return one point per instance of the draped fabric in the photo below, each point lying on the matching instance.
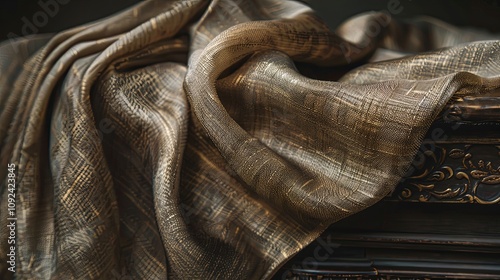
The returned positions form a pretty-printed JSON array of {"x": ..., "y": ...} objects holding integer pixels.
[{"x": 214, "y": 139}]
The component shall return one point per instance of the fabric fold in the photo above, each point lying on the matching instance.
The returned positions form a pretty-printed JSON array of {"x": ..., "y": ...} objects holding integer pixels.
[{"x": 201, "y": 139}]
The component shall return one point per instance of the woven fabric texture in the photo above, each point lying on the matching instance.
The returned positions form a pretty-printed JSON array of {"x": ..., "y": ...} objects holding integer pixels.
[{"x": 214, "y": 139}]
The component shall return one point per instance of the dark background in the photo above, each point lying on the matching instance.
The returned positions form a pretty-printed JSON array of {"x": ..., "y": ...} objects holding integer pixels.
[{"x": 475, "y": 13}]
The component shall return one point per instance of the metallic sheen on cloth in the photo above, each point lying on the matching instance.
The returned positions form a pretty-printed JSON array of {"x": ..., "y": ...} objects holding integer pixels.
[{"x": 201, "y": 139}]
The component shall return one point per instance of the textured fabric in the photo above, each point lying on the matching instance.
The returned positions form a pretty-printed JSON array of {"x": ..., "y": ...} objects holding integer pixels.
[{"x": 214, "y": 140}]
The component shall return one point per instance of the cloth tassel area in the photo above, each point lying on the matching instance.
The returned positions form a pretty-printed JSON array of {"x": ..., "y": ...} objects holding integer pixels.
[{"x": 214, "y": 139}]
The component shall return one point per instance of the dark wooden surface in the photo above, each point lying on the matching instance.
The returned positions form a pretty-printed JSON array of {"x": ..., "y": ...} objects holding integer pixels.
[{"x": 399, "y": 240}]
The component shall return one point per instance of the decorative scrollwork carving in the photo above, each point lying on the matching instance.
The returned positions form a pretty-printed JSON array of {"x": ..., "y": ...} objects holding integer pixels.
[{"x": 460, "y": 173}]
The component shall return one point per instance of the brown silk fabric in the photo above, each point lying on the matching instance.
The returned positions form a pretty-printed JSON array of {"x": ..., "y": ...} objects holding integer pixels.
[{"x": 178, "y": 140}]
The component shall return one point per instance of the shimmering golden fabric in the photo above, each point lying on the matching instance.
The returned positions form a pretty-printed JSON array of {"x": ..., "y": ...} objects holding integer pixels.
[{"x": 178, "y": 140}]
